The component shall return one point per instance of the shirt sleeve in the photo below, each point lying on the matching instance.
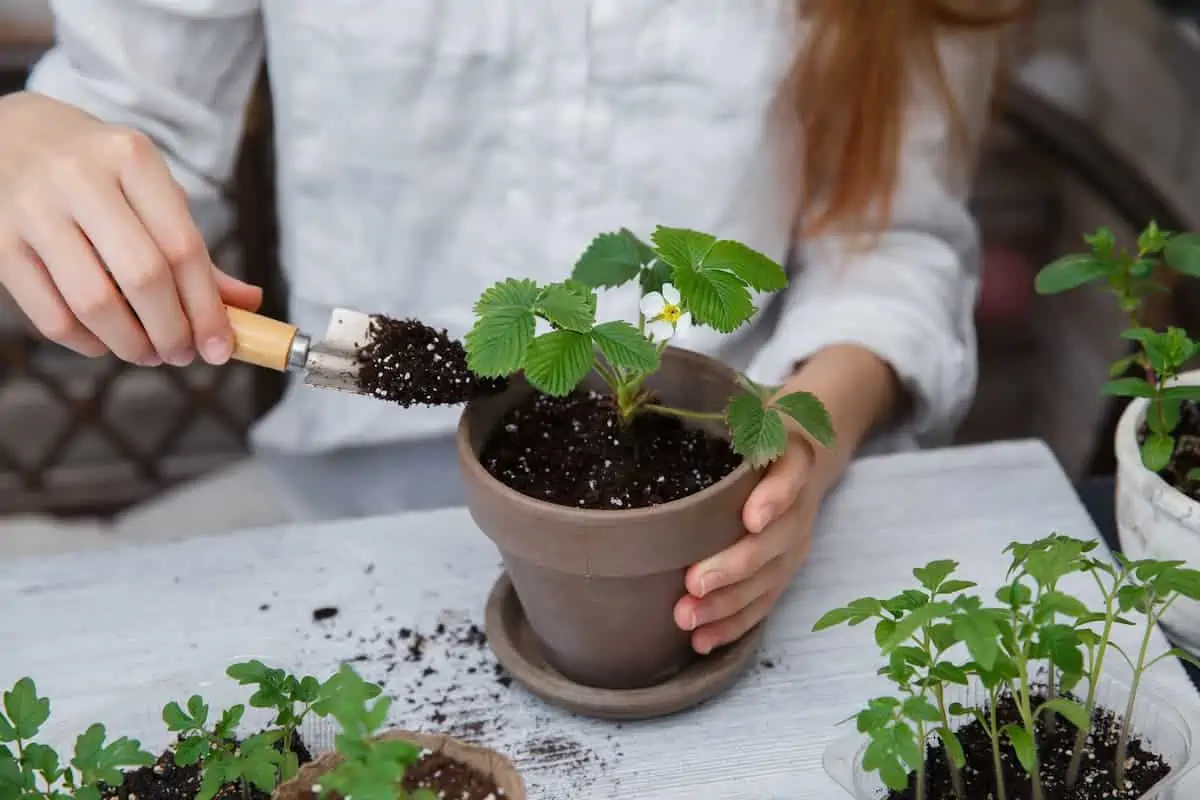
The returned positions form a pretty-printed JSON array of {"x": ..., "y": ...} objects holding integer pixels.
[
  {"x": 179, "y": 71},
  {"x": 909, "y": 296}
]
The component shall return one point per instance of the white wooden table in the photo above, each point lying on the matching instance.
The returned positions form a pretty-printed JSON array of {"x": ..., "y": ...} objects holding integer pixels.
[{"x": 111, "y": 636}]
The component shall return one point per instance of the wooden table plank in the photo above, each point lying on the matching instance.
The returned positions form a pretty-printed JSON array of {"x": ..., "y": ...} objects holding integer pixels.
[{"x": 110, "y": 636}]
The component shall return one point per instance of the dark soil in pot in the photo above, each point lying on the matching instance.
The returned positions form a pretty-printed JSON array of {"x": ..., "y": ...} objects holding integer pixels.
[
  {"x": 598, "y": 580},
  {"x": 597, "y": 461},
  {"x": 165, "y": 781},
  {"x": 1144, "y": 768},
  {"x": 1187, "y": 451}
]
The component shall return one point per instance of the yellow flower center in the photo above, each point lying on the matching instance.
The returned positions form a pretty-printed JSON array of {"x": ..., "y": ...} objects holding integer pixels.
[{"x": 671, "y": 313}]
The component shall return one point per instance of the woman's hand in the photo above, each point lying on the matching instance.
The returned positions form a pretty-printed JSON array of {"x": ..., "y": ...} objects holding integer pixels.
[
  {"x": 733, "y": 591},
  {"x": 97, "y": 244}
]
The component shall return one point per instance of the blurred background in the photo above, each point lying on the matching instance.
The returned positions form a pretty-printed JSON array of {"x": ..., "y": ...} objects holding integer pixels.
[{"x": 1099, "y": 123}]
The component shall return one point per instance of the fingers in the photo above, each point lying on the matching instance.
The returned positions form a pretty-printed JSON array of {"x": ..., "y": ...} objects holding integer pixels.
[
  {"x": 138, "y": 267},
  {"x": 238, "y": 293},
  {"x": 160, "y": 203},
  {"x": 739, "y": 562},
  {"x": 691, "y": 613},
  {"x": 779, "y": 487},
  {"x": 26, "y": 279},
  {"x": 732, "y": 628}
]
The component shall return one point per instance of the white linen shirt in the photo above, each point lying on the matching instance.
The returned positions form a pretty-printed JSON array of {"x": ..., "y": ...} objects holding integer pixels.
[{"x": 428, "y": 148}]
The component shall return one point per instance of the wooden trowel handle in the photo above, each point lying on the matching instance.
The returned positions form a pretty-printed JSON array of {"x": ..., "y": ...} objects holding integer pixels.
[{"x": 260, "y": 340}]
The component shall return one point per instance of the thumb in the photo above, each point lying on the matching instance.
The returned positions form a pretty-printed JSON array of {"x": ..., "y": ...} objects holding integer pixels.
[
  {"x": 236, "y": 292},
  {"x": 779, "y": 487}
]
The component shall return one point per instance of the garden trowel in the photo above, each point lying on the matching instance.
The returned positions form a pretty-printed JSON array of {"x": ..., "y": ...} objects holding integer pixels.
[{"x": 328, "y": 363}]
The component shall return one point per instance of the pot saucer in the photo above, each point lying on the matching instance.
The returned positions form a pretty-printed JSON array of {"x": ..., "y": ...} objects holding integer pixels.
[{"x": 516, "y": 648}]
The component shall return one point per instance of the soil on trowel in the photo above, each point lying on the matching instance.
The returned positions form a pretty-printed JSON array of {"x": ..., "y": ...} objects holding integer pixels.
[
  {"x": 575, "y": 451},
  {"x": 1143, "y": 767},
  {"x": 409, "y": 363}
]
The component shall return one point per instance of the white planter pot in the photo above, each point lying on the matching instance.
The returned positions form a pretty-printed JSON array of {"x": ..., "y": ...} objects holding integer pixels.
[{"x": 1156, "y": 520}]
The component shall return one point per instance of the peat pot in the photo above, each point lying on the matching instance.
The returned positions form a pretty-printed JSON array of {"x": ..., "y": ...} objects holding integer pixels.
[
  {"x": 599, "y": 587},
  {"x": 1156, "y": 520}
]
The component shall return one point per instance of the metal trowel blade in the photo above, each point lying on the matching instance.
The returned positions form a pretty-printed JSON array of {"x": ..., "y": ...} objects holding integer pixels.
[{"x": 333, "y": 361}]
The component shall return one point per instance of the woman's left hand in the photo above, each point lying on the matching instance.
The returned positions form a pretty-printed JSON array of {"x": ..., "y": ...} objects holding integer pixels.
[{"x": 734, "y": 590}]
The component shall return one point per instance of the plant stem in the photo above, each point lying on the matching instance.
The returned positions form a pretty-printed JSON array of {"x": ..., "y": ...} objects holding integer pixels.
[
  {"x": 997, "y": 764},
  {"x": 678, "y": 412},
  {"x": 921, "y": 763},
  {"x": 1152, "y": 619},
  {"x": 1051, "y": 717},
  {"x": 1094, "y": 673},
  {"x": 956, "y": 778}
]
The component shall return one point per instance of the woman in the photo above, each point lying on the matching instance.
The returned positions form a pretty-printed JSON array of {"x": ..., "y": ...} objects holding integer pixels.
[{"x": 429, "y": 148}]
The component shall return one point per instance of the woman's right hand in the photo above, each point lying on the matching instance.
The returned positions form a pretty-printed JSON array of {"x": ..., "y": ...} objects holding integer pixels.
[{"x": 98, "y": 246}]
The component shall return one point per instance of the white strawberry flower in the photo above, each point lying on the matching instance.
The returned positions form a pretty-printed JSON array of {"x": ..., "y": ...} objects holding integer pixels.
[{"x": 664, "y": 314}]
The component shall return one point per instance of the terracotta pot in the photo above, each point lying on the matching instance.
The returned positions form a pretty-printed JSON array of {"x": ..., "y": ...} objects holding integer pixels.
[
  {"x": 486, "y": 762},
  {"x": 599, "y": 587},
  {"x": 1156, "y": 520}
]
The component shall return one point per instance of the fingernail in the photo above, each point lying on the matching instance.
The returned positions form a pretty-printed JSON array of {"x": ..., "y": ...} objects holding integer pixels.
[
  {"x": 151, "y": 361},
  {"x": 693, "y": 621},
  {"x": 710, "y": 581},
  {"x": 217, "y": 350},
  {"x": 704, "y": 648},
  {"x": 765, "y": 515}
]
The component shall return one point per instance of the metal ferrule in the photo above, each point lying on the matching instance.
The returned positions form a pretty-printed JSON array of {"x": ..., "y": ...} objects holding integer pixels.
[{"x": 298, "y": 353}]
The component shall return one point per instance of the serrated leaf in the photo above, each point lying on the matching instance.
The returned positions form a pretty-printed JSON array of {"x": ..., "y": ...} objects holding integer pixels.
[
  {"x": 611, "y": 259},
  {"x": 810, "y": 414},
  {"x": 655, "y": 276},
  {"x": 750, "y": 266},
  {"x": 191, "y": 750},
  {"x": 558, "y": 361},
  {"x": 623, "y": 346},
  {"x": 979, "y": 633},
  {"x": 568, "y": 306},
  {"x": 1157, "y": 451},
  {"x": 682, "y": 248},
  {"x": 758, "y": 433},
  {"x": 1023, "y": 746},
  {"x": 1128, "y": 387},
  {"x": 198, "y": 709},
  {"x": 913, "y": 622},
  {"x": 1182, "y": 254},
  {"x": 932, "y": 574},
  {"x": 715, "y": 298},
  {"x": 1069, "y": 272},
  {"x": 26, "y": 711},
  {"x": 174, "y": 717},
  {"x": 500, "y": 338}
]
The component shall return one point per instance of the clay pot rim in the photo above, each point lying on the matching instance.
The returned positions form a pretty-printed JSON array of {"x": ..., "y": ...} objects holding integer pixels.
[
  {"x": 1165, "y": 497},
  {"x": 462, "y": 442}
]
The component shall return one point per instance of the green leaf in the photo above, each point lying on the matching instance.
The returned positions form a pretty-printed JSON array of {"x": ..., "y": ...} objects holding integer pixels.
[
  {"x": 893, "y": 774},
  {"x": 1069, "y": 272},
  {"x": 981, "y": 636},
  {"x": 1184, "y": 655},
  {"x": 715, "y": 298},
  {"x": 833, "y": 618},
  {"x": 1157, "y": 451},
  {"x": 191, "y": 750},
  {"x": 950, "y": 673},
  {"x": 175, "y": 719},
  {"x": 248, "y": 672},
  {"x": 42, "y": 759},
  {"x": 810, "y": 414},
  {"x": 758, "y": 433},
  {"x": 951, "y": 587},
  {"x": 1184, "y": 581},
  {"x": 1163, "y": 414},
  {"x": 568, "y": 306},
  {"x": 7, "y": 732},
  {"x": 751, "y": 267},
  {"x": 1121, "y": 366},
  {"x": 932, "y": 574},
  {"x": 1057, "y": 602},
  {"x": 653, "y": 277},
  {"x": 912, "y": 622},
  {"x": 623, "y": 346},
  {"x": 558, "y": 361},
  {"x": 1128, "y": 387},
  {"x": 884, "y": 629},
  {"x": 1152, "y": 239},
  {"x": 943, "y": 636},
  {"x": 953, "y": 746},
  {"x": 1061, "y": 643},
  {"x": 918, "y": 709},
  {"x": 26, "y": 711},
  {"x": 1102, "y": 242},
  {"x": 1182, "y": 254},
  {"x": 498, "y": 342},
  {"x": 1182, "y": 392},
  {"x": 227, "y": 726},
  {"x": 683, "y": 249},
  {"x": 1023, "y": 746},
  {"x": 610, "y": 260},
  {"x": 12, "y": 779},
  {"x": 1073, "y": 712}
]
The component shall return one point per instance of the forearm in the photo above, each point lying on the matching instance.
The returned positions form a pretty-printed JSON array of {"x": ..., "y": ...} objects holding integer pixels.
[{"x": 860, "y": 392}]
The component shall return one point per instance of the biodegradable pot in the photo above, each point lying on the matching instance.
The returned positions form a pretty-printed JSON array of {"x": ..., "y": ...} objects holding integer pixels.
[
  {"x": 599, "y": 587},
  {"x": 1156, "y": 520},
  {"x": 481, "y": 759}
]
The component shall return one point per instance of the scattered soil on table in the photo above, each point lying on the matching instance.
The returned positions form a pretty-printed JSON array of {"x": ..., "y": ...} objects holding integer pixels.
[
  {"x": 324, "y": 612},
  {"x": 1143, "y": 768},
  {"x": 410, "y": 363},
  {"x": 165, "y": 781},
  {"x": 574, "y": 451},
  {"x": 1187, "y": 450}
]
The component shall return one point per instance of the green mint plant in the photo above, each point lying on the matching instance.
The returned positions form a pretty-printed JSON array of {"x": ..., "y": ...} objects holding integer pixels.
[
  {"x": 370, "y": 768},
  {"x": 1160, "y": 355},
  {"x": 30, "y": 770},
  {"x": 255, "y": 761},
  {"x": 685, "y": 277}
]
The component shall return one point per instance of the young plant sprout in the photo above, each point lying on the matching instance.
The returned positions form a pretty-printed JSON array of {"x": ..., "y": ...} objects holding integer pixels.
[
  {"x": 30, "y": 770},
  {"x": 255, "y": 761},
  {"x": 370, "y": 769},
  {"x": 1036, "y": 626},
  {"x": 686, "y": 277},
  {"x": 1160, "y": 355}
]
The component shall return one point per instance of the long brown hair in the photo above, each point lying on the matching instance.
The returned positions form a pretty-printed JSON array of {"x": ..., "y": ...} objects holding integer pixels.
[{"x": 848, "y": 90}]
